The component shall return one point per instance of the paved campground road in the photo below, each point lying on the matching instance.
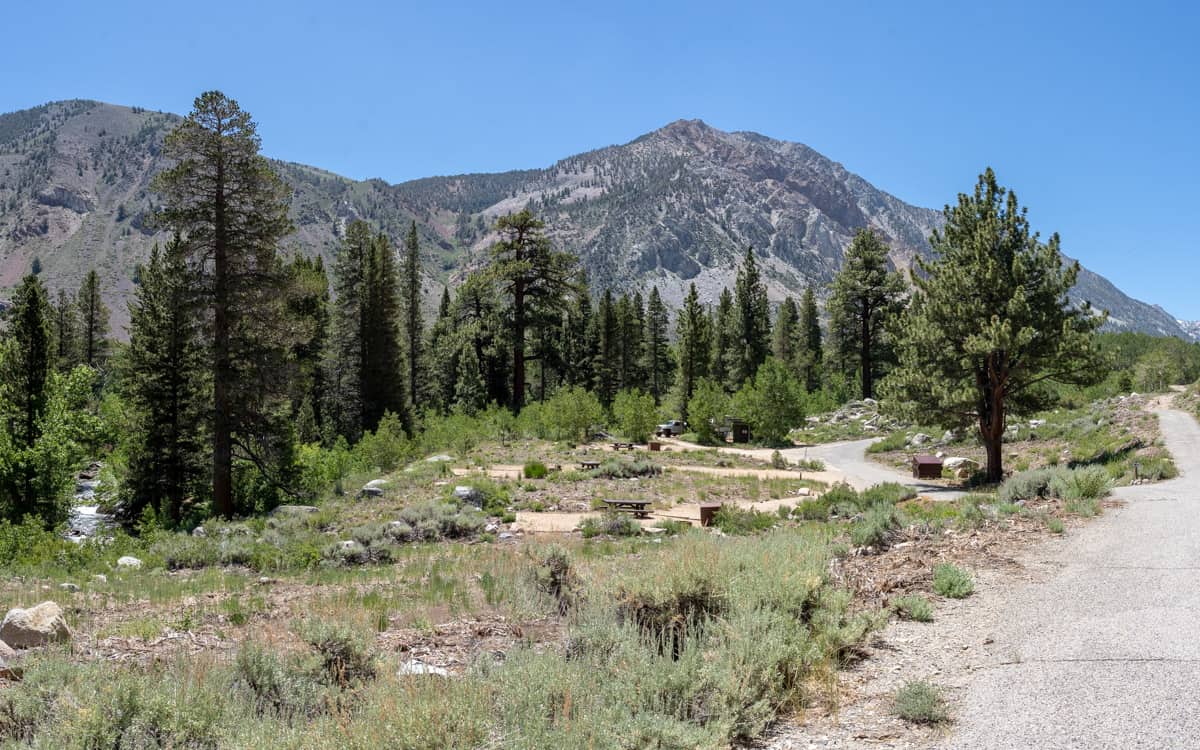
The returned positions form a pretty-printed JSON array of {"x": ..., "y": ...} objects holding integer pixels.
[{"x": 1104, "y": 653}]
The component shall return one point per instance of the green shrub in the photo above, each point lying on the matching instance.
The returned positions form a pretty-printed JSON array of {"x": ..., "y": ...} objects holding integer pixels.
[
  {"x": 735, "y": 521},
  {"x": 1085, "y": 483},
  {"x": 889, "y": 493},
  {"x": 1157, "y": 469},
  {"x": 1055, "y": 525},
  {"x": 894, "y": 442},
  {"x": 1028, "y": 485},
  {"x": 345, "y": 654},
  {"x": 610, "y": 524},
  {"x": 626, "y": 468},
  {"x": 535, "y": 470},
  {"x": 636, "y": 414},
  {"x": 921, "y": 703},
  {"x": 952, "y": 582},
  {"x": 778, "y": 461},
  {"x": 810, "y": 464},
  {"x": 672, "y": 527},
  {"x": 813, "y": 509},
  {"x": 842, "y": 498},
  {"x": 913, "y": 607},
  {"x": 876, "y": 528}
]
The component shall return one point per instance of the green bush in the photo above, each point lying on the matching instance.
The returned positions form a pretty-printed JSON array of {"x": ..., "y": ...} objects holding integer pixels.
[
  {"x": 894, "y": 442},
  {"x": 570, "y": 414},
  {"x": 888, "y": 493},
  {"x": 535, "y": 470},
  {"x": 636, "y": 414},
  {"x": 913, "y": 607},
  {"x": 626, "y": 468},
  {"x": 1085, "y": 483},
  {"x": 952, "y": 582},
  {"x": 708, "y": 406},
  {"x": 1028, "y": 485},
  {"x": 842, "y": 499},
  {"x": 610, "y": 524},
  {"x": 877, "y": 527},
  {"x": 736, "y": 521},
  {"x": 920, "y": 703}
]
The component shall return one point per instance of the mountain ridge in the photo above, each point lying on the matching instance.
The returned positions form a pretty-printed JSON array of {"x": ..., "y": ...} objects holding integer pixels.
[{"x": 675, "y": 206}]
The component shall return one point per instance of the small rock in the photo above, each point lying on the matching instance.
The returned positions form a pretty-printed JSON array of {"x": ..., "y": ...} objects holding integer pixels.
[
  {"x": 68, "y": 586},
  {"x": 100, "y": 578},
  {"x": 265, "y": 581},
  {"x": 199, "y": 532},
  {"x": 347, "y": 545},
  {"x": 129, "y": 563},
  {"x": 439, "y": 458},
  {"x": 36, "y": 626},
  {"x": 920, "y": 439},
  {"x": 469, "y": 494},
  {"x": 505, "y": 535},
  {"x": 804, "y": 492},
  {"x": 414, "y": 667},
  {"x": 491, "y": 528}
]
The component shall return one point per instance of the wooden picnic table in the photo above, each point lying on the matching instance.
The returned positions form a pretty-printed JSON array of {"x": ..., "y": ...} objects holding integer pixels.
[
  {"x": 622, "y": 446},
  {"x": 589, "y": 465},
  {"x": 639, "y": 508}
]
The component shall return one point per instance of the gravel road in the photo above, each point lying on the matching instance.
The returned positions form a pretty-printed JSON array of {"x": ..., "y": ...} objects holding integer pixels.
[{"x": 1105, "y": 652}]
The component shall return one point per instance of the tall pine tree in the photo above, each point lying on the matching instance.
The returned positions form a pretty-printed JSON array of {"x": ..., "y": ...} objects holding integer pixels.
[
  {"x": 866, "y": 298},
  {"x": 751, "y": 321},
  {"x": 692, "y": 329},
  {"x": 230, "y": 209},
  {"x": 786, "y": 335},
  {"x": 809, "y": 353},
  {"x": 66, "y": 332},
  {"x": 413, "y": 326},
  {"x": 93, "y": 322},
  {"x": 657, "y": 362},
  {"x": 165, "y": 387},
  {"x": 383, "y": 365},
  {"x": 724, "y": 349}
]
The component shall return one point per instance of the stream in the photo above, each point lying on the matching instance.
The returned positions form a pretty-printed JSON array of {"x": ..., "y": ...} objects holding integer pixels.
[{"x": 85, "y": 518}]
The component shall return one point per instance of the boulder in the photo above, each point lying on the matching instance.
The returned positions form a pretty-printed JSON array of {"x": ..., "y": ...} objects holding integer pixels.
[
  {"x": 469, "y": 494},
  {"x": 958, "y": 462},
  {"x": 199, "y": 532},
  {"x": 36, "y": 626},
  {"x": 68, "y": 587},
  {"x": 439, "y": 458},
  {"x": 8, "y": 663},
  {"x": 920, "y": 439},
  {"x": 100, "y": 579},
  {"x": 413, "y": 667},
  {"x": 373, "y": 488},
  {"x": 129, "y": 563}
]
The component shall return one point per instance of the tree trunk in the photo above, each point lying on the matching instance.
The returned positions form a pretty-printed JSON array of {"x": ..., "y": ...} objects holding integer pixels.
[
  {"x": 991, "y": 425},
  {"x": 868, "y": 385},
  {"x": 518, "y": 394},
  {"x": 222, "y": 419}
]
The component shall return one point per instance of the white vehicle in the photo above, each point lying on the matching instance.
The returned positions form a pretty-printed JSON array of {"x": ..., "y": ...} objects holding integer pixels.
[{"x": 673, "y": 428}]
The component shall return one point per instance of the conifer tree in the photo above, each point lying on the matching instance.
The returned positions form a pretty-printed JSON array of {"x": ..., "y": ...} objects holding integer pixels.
[
  {"x": 93, "y": 322},
  {"x": 866, "y": 298},
  {"x": 413, "y": 325},
  {"x": 66, "y": 332},
  {"x": 607, "y": 361},
  {"x": 532, "y": 275},
  {"x": 751, "y": 322},
  {"x": 348, "y": 349},
  {"x": 808, "y": 349},
  {"x": 231, "y": 212},
  {"x": 579, "y": 344},
  {"x": 165, "y": 388},
  {"x": 991, "y": 326},
  {"x": 442, "y": 355},
  {"x": 786, "y": 335},
  {"x": 383, "y": 366},
  {"x": 657, "y": 362},
  {"x": 308, "y": 306},
  {"x": 724, "y": 351},
  {"x": 479, "y": 324},
  {"x": 692, "y": 330}
]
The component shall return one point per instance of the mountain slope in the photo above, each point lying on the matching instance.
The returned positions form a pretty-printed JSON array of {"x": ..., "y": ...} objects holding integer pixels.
[{"x": 673, "y": 207}]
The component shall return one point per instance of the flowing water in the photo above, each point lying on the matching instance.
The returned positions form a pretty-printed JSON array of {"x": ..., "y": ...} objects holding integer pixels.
[{"x": 85, "y": 518}]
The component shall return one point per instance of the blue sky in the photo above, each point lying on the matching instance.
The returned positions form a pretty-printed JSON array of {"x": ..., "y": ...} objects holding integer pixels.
[{"x": 1089, "y": 110}]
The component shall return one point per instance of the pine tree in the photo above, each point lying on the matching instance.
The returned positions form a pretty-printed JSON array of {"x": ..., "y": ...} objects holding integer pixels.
[
  {"x": 751, "y": 322},
  {"x": 608, "y": 350},
  {"x": 348, "y": 348},
  {"x": 442, "y": 355},
  {"x": 657, "y": 362},
  {"x": 383, "y": 365},
  {"x": 413, "y": 326},
  {"x": 479, "y": 323},
  {"x": 532, "y": 275},
  {"x": 579, "y": 345},
  {"x": 93, "y": 322},
  {"x": 24, "y": 380},
  {"x": 164, "y": 385},
  {"x": 808, "y": 349},
  {"x": 630, "y": 349},
  {"x": 231, "y": 211},
  {"x": 866, "y": 298},
  {"x": 724, "y": 351},
  {"x": 308, "y": 306},
  {"x": 692, "y": 330},
  {"x": 991, "y": 326},
  {"x": 786, "y": 334},
  {"x": 66, "y": 332}
]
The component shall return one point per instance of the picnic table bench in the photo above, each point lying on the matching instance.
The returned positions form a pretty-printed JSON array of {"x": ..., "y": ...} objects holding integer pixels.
[
  {"x": 622, "y": 446},
  {"x": 639, "y": 508},
  {"x": 589, "y": 465}
]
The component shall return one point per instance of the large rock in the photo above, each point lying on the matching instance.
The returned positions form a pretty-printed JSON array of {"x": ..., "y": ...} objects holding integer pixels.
[
  {"x": 469, "y": 495},
  {"x": 36, "y": 626},
  {"x": 128, "y": 563},
  {"x": 958, "y": 462},
  {"x": 8, "y": 663}
]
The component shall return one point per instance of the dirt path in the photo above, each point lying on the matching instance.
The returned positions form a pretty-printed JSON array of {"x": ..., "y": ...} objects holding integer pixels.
[{"x": 1090, "y": 642}]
